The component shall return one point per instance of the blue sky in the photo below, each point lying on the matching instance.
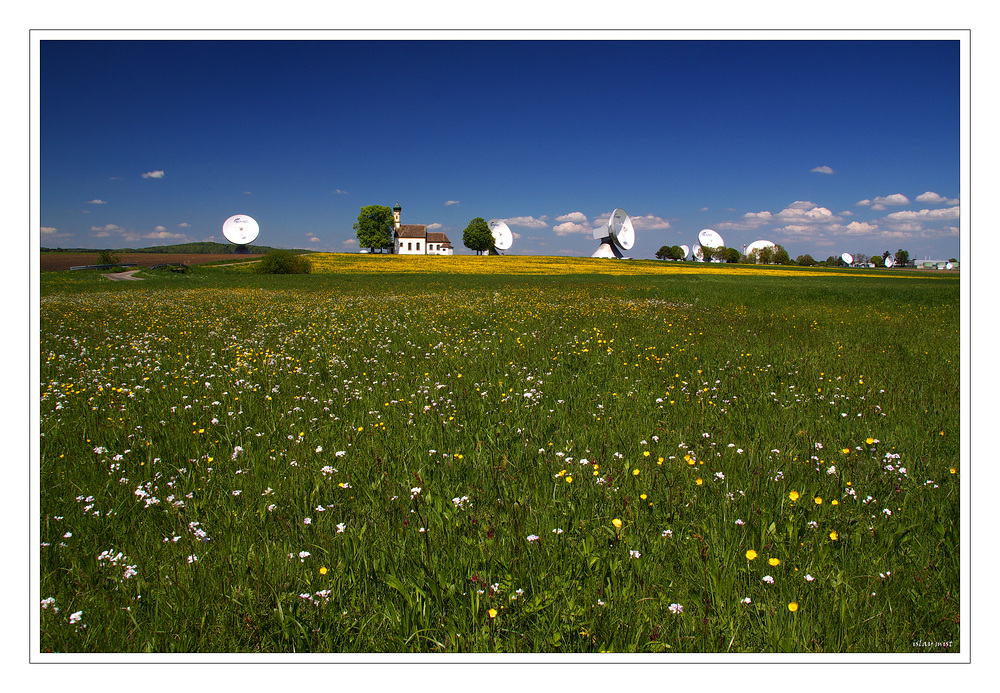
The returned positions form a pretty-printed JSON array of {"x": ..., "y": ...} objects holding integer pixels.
[{"x": 823, "y": 146}]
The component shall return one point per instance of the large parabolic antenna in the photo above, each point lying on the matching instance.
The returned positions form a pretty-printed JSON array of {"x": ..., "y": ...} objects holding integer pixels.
[
  {"x": 502, "y": 237},
  {"x": 889, "y": 261},
  {"x": 759, "y": 245},
  {"x": 687, "y": 251},
  {"x": 240, "y": 229},
  {"x": 709, "y": 238},
  {"x": 697, "y": 253},
  {"x": 617, "y": 235},
  {"x": 847, "y": 258}
]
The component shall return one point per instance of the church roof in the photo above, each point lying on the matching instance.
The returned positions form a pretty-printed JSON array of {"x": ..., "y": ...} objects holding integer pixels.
[
  {"x": 411, "y": 231},
  {"x": 437, "y": 237}
]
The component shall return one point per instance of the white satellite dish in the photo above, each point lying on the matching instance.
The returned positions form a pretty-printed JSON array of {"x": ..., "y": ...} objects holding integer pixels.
[
  {"x": 502, "y": 237},
  {"x": 687, "y": 251},
  {"x": 617, "y": 235},
  {"x": 889, "y": 262},
  {"x": 240, "y": 229},
  {"x": 697, "y": 252},
  {"x": 949, "y": 266},
  {"x": 709, "y": 238},
  {"x": 759, "y": 245},
  {"x": 847, "y": 258}
]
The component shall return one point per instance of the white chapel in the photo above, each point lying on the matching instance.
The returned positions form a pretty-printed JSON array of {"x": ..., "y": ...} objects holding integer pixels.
[{"x": 414, "y": 239}]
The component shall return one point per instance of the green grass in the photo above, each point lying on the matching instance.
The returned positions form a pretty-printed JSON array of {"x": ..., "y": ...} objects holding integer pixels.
[{"x": 333, "y": 397}]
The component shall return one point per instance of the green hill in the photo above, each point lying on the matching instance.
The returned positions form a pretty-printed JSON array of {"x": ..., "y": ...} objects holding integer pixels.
[{"x": 199, "y": 247}]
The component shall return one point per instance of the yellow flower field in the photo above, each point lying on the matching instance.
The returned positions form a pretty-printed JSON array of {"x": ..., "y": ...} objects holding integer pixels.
[{"x": 363, "y": 263}]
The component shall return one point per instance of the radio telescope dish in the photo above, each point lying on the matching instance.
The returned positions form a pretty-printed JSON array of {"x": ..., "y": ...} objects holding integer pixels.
[
  {"x": 759, "y": 245},
  {"x": 240, "y": 229},
  {"x": 687, "y": 251},
  {"x": 889, "y": 262},
  {"x": 847, "y": 258},
  {"x": 502, "y": 236},
  {"x": 709, "y": 238},
  {"x": 697, "y": 252},
  {"x": 617, "y": 235},
  {"x": 949, "y": 266}
]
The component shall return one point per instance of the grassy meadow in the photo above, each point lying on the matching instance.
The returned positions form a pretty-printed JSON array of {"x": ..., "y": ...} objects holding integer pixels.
[{"x": 500, "y": 454}]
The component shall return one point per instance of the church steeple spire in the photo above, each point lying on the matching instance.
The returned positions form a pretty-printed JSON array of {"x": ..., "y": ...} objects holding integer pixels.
[{"x": 396, "y": 214}]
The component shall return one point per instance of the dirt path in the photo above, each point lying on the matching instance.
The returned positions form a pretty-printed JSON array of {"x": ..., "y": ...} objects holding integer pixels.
[{"x": 123, "y": 276}]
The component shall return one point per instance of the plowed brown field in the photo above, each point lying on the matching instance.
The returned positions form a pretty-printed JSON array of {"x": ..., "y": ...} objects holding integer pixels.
[{"x": 51, "y": 262}]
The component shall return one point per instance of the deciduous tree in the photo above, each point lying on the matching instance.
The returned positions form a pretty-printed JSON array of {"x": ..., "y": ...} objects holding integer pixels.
[
  {"x": 477, "y": 236},
  {"x": 374, "y": 227}
]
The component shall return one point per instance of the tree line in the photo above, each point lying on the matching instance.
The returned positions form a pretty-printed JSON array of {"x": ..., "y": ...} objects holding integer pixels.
[{"x": 777, "y": 255}]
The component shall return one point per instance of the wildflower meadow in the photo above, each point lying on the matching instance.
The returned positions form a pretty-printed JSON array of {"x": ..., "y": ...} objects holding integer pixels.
[{"x": 499, "y": 454}]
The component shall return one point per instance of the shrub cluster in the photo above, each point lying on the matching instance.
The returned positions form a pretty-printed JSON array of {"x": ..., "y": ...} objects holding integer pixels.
[{"x": 283, "y": 262}]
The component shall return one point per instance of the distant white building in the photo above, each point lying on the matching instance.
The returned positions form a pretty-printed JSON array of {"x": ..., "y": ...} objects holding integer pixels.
[
  {"x": 414, "y": 239},
  {"x": 934, "y": 264}
]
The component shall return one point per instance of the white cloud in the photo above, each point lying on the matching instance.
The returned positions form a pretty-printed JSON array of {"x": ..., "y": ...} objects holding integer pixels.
[
  {"x": 160, "y": 228},
  {"x": 801, "y": 212},
  {"x": 184, "y": 225},
  {"x": 568, "y": 227},
  {"x": 51, "y": 233},
  {"x": 749, "y": 222},
  {"x": 107, "y": 227},
  {"x": 527, "y": 222},
  {"x": 880, "y": 203},
  {"x": 435, "y": 226},
  {"x": 821, "y": 169},
  {"x": 153, "y": 174},
  {"x": 927, "y": 214},
  {"x": 350, "y": 243},
  {"x": 338, "y": 191},
  {"x": 650, "y": 222},
  {"x": 933, "y": 198},
  {"x": 157, "y": 235},
  {"x": 449, "y": 203},
  {"x": 247, "y": 192},
  {"x": 97, "y": 202},
  {"x": 575, "y": 217},
  {"x": 861, "y": 228},
  {"x": 313, "y": 239}
]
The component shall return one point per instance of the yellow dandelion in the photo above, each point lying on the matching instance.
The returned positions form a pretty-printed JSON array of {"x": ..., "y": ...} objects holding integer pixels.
[
  {"x": 818, "y": 501},
  {"x": 699, "y": 481},
  {"x": 751, "y": 554},
  {"x": 659, "y": 460},
  {"x": 569, "y": 480},
  {"x": 835, "y": 502},
  {"x": 773, "y": 561},
  {"x": 492, "y": 613},
  {"x": 846, "y": 451},
  {"x": 793, "y": 606},
  {"x": 793, "y": 495},
  {"x": 952, "y": 470},
  {"x": 870, "y": 441},
  {"x": 617, "y": 523},
  {"x": 645, "y": 453},
  {"x": 635, "y": 472},
  {"x": 833, "y": 536},
  {"x": 323, "y": 571}
]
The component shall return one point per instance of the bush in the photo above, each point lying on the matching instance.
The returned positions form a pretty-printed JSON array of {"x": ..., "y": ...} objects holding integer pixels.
[
  {"x": 106, "y": 257},
  {"x": 283, "y": 262}
]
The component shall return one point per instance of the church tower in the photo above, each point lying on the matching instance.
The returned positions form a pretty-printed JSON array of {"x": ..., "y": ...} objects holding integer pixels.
[{"x": 396, "y": 212}]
